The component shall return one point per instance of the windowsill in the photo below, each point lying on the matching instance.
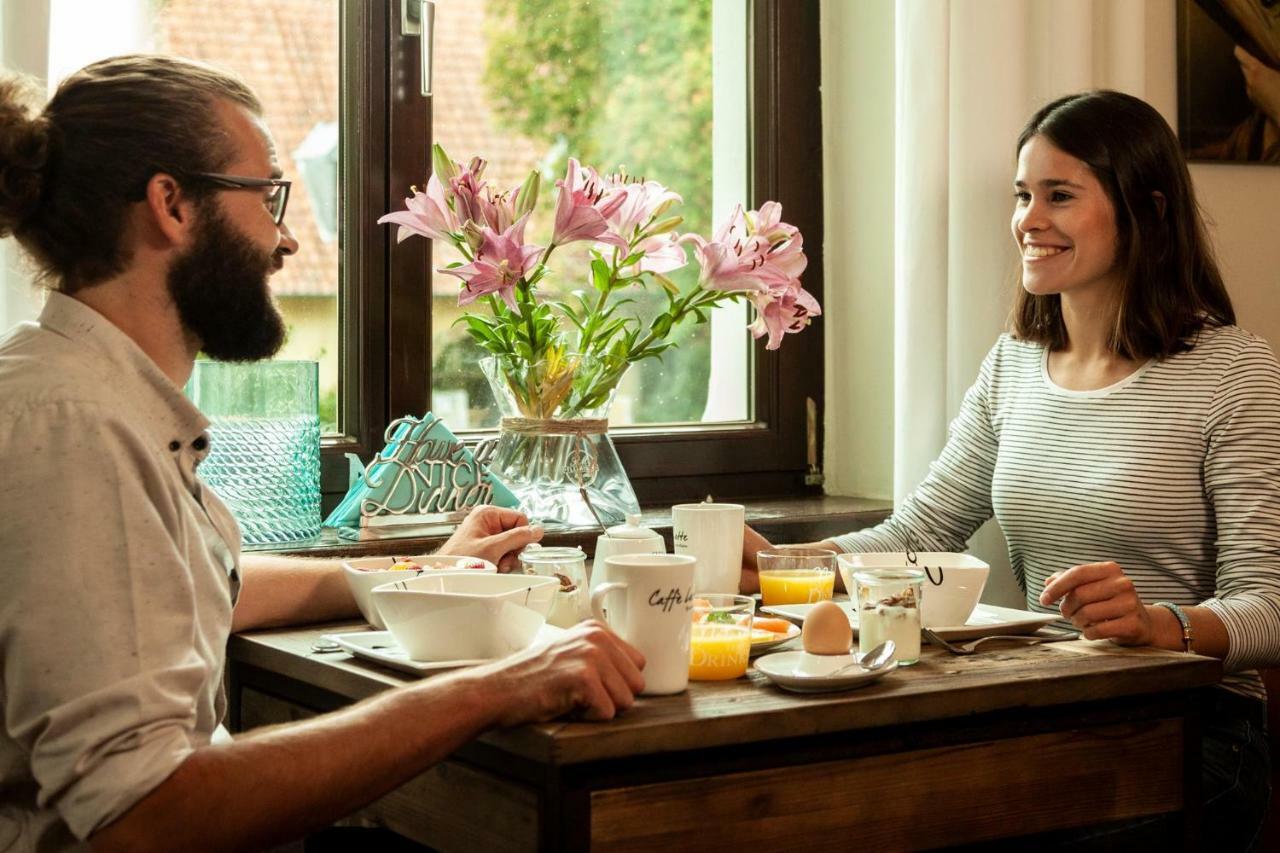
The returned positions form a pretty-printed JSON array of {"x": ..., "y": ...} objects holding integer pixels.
[{"x": 789, "y": 519}]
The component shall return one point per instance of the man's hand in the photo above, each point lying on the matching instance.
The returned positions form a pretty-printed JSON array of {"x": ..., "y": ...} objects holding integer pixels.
[
  {"x": 495, "y": 534},
  {"x": 588, "y": 669},
  {"x": 1100, "y": 600}
]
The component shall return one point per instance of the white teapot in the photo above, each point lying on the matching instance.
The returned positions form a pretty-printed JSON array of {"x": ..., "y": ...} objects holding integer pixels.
[{"x": 629, "y": 538}]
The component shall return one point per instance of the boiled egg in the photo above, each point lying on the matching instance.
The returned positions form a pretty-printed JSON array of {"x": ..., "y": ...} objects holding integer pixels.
[{"x": 826, "y": 630}]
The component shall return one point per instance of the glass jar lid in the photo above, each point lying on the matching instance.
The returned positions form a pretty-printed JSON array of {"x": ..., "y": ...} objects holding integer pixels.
[
  {"x": 877, "y": 577},
  {"x": 555, "y": 555}
]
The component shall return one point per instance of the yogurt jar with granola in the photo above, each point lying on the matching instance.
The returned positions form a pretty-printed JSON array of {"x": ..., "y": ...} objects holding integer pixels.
[
  {"x": 568, "y": 564},
  {"x": 889, "y": 609}
]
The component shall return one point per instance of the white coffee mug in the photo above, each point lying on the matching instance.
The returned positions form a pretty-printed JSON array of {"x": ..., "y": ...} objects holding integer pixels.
[
  {"x": 653, "y": 615},
  {"x": 713, "y": 534}
]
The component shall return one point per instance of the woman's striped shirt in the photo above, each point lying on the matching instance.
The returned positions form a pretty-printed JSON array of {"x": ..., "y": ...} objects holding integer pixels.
[{"x": 1173, "y": 472}]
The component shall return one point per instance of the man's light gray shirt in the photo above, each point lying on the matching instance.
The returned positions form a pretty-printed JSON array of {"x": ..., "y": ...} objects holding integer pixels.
[{"x": 118, "y": 571}]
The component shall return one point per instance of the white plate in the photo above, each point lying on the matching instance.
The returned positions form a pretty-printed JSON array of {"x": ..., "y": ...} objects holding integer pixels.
[
  {"x": 801, "y": 672},
  {"x": 987, "y": 619},
  {"x": 381, "y": 647},
  {"x": 761, "y": 646}
]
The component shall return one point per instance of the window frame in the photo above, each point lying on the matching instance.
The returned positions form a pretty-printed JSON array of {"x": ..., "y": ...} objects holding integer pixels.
[{"x": 385, "y": 312}]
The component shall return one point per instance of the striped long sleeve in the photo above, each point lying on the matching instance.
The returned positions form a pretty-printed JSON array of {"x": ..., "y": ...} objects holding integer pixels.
[
  {"x": 1173, "y": 472},
  {"x": 954, "y": 499}
]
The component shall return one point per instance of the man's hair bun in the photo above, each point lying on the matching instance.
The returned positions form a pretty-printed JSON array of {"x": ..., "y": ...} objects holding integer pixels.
[{"x": 24, "y": 152}]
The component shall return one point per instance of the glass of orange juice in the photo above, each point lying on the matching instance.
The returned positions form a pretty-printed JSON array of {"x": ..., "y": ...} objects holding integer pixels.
[
  {"x": 796, "y": 575},
  {"x": 720, "y": 640}
]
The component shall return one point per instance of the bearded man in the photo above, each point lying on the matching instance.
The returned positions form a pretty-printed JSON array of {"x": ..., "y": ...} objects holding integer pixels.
[{"x": 148, "y": 195}]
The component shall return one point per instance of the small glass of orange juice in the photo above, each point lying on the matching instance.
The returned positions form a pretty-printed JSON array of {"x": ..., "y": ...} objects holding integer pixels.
[
  {"x": 796, "y": 575},
  {"x": 720, "y": 640}
]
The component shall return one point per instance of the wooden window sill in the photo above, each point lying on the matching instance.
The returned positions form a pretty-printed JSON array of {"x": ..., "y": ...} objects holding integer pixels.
[{"x": 790, "y": 519}]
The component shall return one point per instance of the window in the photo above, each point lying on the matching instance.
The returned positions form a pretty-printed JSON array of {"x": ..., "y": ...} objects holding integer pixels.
[
  {"x": 288, "y": 54},
  {"x": 529, "y": 83},
  {"x": 758, "y": 65},
  {"x": 718, "y": 99}
]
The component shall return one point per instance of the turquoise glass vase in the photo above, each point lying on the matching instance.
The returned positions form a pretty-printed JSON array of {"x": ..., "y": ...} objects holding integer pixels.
[{"x": 264, "y": 447}]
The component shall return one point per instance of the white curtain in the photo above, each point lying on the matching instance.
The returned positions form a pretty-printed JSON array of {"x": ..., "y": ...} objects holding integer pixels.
[{"x": 966, "y": 76}]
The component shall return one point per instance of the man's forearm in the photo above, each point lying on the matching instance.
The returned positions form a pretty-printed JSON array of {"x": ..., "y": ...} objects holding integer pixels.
[
  {"x": 282, "y": 782},
  {"x": 289, "y": 591}
]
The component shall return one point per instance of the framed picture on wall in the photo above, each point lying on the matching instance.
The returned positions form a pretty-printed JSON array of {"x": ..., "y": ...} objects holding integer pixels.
[{"x": 1229, "y": 80}]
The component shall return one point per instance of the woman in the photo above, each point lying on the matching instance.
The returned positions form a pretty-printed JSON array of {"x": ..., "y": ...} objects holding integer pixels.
[{"x": 1126, "y": 434}]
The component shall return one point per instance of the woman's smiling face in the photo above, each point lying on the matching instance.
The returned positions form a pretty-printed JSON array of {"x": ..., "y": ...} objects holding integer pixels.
[{"x": 1064, "y": 224}]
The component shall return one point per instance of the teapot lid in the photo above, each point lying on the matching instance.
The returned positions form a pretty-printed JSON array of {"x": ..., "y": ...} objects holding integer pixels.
[{"x": 633, "y": 529}]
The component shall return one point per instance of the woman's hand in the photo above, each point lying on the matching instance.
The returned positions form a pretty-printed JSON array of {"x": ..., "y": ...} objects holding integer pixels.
[
  {"x": 1100, "y": 600},
  {"x": 752, "y": 544},
  {"x": 493, "y": 533}
]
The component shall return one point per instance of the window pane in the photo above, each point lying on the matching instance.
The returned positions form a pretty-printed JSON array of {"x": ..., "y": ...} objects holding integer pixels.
[
  {"x": 287, "y": 51},
  {"x": 655, "y": 89}
]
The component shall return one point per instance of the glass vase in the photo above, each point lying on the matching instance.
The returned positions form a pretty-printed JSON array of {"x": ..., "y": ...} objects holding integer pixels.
[
  {"x": 553, "y": 449},
  {"x": 264, "y": 447}
]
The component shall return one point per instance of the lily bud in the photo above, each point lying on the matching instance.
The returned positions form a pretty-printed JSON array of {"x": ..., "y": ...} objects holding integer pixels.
[
  {"x": 663, "y": 207},
  {"x": 443, "y": 166},
  {"x": 527, "y": 195},
  {"x": 671, "y": 223},
  {"x": 473, "y": 234}
]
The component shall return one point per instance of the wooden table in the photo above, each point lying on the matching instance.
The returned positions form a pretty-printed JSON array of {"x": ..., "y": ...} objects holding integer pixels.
[{"x": 953, "y": 750}]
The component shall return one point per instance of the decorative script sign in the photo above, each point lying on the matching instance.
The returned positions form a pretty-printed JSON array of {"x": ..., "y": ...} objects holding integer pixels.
[{"x": 425, "y": 476}]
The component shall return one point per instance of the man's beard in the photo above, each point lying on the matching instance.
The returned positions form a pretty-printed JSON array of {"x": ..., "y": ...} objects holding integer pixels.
[{"x": 220, "y": 288}]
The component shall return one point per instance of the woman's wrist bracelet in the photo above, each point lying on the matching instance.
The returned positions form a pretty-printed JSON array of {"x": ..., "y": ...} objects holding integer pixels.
[{"x": 1188, "y": 636}]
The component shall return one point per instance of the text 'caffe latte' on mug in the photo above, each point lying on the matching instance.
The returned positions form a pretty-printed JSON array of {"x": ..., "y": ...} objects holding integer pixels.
[{"x": 649, "y": 599}]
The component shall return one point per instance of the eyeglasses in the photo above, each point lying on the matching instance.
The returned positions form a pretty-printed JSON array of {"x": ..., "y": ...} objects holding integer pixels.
[{"x": 276, "y": 199}]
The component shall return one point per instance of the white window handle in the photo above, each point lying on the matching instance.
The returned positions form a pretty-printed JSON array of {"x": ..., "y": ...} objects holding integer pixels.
[{"x": 418, "y": 18}]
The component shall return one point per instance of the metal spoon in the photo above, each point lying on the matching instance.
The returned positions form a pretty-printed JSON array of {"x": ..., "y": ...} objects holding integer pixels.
[{"x": 873, "y": 661}]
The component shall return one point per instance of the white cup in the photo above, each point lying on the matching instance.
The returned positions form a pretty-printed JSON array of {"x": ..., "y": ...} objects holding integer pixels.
[
  {"x": 713, "y": 534},
  {"x": 657, "y": 593}
]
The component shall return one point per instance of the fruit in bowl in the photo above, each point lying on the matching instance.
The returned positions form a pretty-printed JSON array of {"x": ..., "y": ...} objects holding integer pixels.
[
  {"x": 453, "y": 616},
  {"x": 365, "y": 573}
]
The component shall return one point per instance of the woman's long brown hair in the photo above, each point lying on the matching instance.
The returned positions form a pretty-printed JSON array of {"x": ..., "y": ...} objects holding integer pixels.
[{"x": 1171, "y": 287}]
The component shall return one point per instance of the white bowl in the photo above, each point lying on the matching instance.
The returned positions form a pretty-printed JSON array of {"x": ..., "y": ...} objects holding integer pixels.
[
  {"x": 367, "y": 572},
  {"x": 951, "y": 589},
  {"x": 454, "y": 616}
]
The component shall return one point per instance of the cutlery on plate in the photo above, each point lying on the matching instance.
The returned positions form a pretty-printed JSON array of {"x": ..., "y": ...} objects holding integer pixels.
[{"x": 972, "y": 646}]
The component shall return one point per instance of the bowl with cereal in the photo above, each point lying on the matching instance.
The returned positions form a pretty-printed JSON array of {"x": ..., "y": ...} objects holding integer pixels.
[{"x": 365, "y": 573}]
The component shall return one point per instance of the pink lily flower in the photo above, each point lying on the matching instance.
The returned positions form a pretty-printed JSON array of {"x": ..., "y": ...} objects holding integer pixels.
[
  {"x": 501, "y": 262},
  {"x": 784, "y": 312},
  {"x": 662, "y": 254},
  {"x": 426, "y": 213},
  {"x": 741, "y": 258},
  {"x": 769, "y": 225},
  {"x": 643, "y": 203},
  {"x": 583, "y": 206},
  {"x": 468, "y": 191}
]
